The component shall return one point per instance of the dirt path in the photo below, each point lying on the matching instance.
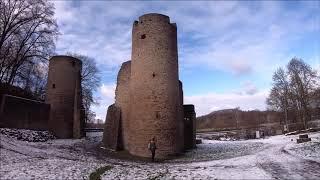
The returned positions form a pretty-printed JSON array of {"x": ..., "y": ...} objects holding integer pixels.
[{"x": 276, "y": 161}]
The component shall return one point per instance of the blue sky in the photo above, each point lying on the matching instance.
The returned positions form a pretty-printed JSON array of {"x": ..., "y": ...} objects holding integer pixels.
[{"x": 228, "y": 50}]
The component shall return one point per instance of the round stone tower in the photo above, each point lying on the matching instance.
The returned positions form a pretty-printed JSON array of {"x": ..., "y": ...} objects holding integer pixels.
[
  {"x": 64, "y": 96},
  {"x": 154, "y": 87}
]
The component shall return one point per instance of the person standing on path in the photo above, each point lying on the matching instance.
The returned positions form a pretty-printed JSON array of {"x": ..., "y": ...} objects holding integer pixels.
[{"x": 152, "y": 147}]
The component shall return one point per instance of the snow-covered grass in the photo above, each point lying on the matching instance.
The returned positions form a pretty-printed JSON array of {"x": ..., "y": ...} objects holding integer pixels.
[
  {"x": 273, "y": 157},
  {"x": 53, "y": 159},
  {"x": 308, "y": 150},
  {"x": 215, "y": 150},
  {"x": 27, "y": 135}
]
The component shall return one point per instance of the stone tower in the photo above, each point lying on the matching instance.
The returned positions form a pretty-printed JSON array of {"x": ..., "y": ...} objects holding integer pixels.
[
  {"x": 64, "y": 96},
  {"x": 154, "y": 87}
]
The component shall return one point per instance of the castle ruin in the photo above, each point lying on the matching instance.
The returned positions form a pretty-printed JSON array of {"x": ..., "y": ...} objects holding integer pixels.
[
  {"x": 61, "y": 112},
  {"x": 149, "y": 96}
]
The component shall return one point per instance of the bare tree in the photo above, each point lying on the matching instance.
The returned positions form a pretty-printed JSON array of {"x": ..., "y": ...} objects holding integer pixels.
[
  {"x": 90, "y": 81},
  {"x": 292, "y": 90},
  {"x": 27, "y": 33},
  {"x": 280, "y": 93},
  {"x": 302, "y": 83}
]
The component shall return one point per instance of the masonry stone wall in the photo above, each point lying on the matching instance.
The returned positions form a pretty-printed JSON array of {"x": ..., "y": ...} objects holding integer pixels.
[
  {"x": 180, "y": 120},
  {"x": 64, "y": 96},
  {"x": 17, "y": 112},
  {"x": 123, "y": 99},
  {"x": 154, "y": 86},
  {"x": 112, "y": 135}
]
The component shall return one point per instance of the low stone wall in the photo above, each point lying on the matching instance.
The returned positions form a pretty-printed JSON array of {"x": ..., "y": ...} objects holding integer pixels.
[{"x": 16, "y": 112}]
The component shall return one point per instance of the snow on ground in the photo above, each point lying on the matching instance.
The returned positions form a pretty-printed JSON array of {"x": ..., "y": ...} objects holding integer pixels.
[
  {"x": 215, "y": 150},
  {"x": 27, "y": 135},
  {"x": 308, "y": 150},
  {"x": 54, "y": 159},
  {"x": 271, "y": 158}
]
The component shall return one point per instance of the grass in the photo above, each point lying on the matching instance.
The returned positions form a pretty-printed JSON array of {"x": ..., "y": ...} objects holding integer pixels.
[{"x": 98, "y": 172}]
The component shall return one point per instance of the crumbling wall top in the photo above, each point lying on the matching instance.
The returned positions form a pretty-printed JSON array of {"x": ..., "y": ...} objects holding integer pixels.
[
  {"x": 154, "y": 17},
  {"x": 64, "y": 58}
]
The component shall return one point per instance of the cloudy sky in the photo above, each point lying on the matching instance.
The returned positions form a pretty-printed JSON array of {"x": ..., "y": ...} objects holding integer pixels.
[{"x": 228, "y": 50}]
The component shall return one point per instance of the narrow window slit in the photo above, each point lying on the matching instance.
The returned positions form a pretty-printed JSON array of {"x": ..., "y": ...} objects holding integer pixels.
[{"x": 157, "y": 115}]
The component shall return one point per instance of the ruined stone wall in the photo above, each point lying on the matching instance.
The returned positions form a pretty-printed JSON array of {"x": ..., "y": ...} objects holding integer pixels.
[
  {"x": 189, "y": 126},
  {"x": 123, "y": 99},
  {"x": 154, "y": 86},
  {"x": 17, "y": 112},
  {"x": 112, "y": 138},
  {"x": 64, "y": 96},
  {"x": 180, "y": 120},
  {"x": 78, "y": 111}
]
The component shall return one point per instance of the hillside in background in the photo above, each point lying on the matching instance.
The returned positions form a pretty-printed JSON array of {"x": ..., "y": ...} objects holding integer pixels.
[{"x": 229, "y": 119}]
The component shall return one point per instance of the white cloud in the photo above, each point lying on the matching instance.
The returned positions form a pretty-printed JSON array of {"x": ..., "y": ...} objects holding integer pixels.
[
  {"x": 246, "y": 39},
  {"x": 249, "y": 88},
  {"x": 62, "y": 12},
  {"x": 107, "y": 97},
  {"x": 95, "y": 29},
  {"x": 108, "y": 91},
  {"x": 235, "y": 37}
]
